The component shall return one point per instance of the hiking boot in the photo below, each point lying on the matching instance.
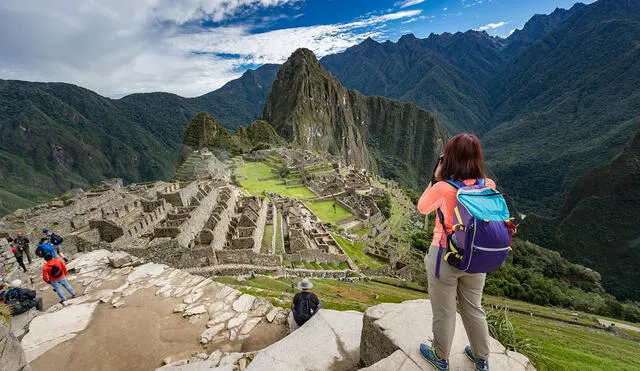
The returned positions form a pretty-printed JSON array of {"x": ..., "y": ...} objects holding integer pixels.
[
  {"x": 429, "y": 353},
  {"x": 481, "y": 364}
]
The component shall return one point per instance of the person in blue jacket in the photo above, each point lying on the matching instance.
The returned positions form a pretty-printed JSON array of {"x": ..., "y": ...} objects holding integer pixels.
[{"x": 45, "y": 247}]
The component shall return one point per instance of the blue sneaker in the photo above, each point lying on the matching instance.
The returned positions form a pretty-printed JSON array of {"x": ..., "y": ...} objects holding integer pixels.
[
  {"x": 430, "y": 355},
  {"x": 481, "y": 364}
]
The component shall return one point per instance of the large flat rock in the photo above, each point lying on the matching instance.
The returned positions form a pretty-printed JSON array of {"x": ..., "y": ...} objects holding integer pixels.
[
  {"x": 329, "y": 341},
  {"x": 389, "y": 328},
  {"x": 50, "y": 329},
  {"x": 83, "y": 262}
]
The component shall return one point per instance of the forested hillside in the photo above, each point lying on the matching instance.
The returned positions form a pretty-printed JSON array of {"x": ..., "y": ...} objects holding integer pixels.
[{"x": 59, "y": 136}]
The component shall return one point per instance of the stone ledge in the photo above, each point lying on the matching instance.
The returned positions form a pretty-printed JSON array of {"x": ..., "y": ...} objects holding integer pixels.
[
  {"x": 330, "y": 340},
  {"x": 389, "y": 328}
]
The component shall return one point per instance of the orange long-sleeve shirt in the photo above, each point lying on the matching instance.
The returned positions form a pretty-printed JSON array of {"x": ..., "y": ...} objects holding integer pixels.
[
  {"x": 46, "y": 270},
  {"x": 443, "y": 195}
]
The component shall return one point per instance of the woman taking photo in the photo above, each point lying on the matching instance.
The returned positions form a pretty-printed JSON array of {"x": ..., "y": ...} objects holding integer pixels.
[{"x": 463, "y": 161}]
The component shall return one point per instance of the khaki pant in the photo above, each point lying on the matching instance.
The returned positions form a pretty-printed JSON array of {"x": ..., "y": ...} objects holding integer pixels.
[{"x": 467, "y": 288}]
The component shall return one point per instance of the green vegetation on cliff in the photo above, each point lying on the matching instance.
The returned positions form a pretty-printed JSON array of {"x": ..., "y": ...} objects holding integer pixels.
[
  {"x": 58, "y": 136},
  {"x": 204, "y": 132},
  {"x": 598, "y": 224}
]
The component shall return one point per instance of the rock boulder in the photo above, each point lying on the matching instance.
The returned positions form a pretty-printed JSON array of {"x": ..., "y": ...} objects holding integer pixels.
[
  {"x": 50, "y": 329},
  {"x": 389, "y": 328},
  {"x": 330, "y": 340},
  {"x": 12, "y": 356}
]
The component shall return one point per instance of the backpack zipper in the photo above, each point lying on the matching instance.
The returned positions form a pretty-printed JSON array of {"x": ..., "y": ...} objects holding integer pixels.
[{"x": 490, "y": 249}]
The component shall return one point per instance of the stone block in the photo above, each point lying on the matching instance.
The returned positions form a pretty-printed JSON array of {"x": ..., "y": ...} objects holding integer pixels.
[
  {"x": 119, "y": 258},
  {"x": 50, "y": 329},
  {"x": 244, "y": 303},
  {"x": 336, "y": 333},
  {"x": 388, "y": 328}
]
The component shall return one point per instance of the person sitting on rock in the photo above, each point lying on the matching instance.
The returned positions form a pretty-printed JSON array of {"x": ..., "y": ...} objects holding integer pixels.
[
  {"x": 20, "y": 300},
  {"x": 305, "y": 304},
  {"x": 44, "y": 247},
  {"x": 54, "y": 272},
  {"x": 17, "y": 253}
]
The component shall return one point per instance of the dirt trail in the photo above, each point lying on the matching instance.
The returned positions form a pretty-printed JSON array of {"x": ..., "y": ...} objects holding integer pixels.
[
  {"x": 139, "y": 335},
  {"x": 136, "y": 336},
  {"x": 607, "y": 323}
]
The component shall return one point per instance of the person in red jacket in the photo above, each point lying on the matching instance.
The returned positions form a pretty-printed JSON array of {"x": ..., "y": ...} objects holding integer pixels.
[{"x": 54, "y": 272}]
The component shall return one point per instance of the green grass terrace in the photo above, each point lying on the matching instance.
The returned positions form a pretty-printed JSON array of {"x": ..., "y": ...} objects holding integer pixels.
[
  {"x": 355, "y": 252},
  {"x": 256, "y": 177},
  {"x": 326, "y": 213}
]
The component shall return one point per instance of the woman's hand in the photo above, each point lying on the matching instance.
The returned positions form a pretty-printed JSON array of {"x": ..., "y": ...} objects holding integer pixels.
[{"x": 436, "y": 174}]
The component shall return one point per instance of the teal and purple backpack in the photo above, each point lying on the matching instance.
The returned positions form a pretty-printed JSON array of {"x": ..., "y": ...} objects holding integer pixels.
[{"x": 480, "y": 239}]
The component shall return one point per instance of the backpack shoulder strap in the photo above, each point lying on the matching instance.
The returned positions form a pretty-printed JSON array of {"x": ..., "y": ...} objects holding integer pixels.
[
  {"x": 456, "y": 184},
  {"x": 480, "y": 181}
]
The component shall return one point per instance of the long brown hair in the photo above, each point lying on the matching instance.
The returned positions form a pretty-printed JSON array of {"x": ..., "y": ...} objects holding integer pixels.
[{"x": 463, "y": 158}]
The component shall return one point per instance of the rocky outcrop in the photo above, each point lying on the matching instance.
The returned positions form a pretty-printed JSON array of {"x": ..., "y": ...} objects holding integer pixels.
[
  {"x": 329, "y": 341},
  {"x": 391, "y": 334},
  {"x": 204, "y": 132},
  {"x": 12, "y": 356}
]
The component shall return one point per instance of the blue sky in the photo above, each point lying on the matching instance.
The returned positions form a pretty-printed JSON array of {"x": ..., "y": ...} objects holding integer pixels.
[
  {"x": 435, "y": 16},
  {"x": 191, "y": 47}
]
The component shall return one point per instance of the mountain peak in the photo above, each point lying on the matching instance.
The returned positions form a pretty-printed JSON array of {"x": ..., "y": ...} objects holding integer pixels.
[
  {"x": 369, "y": 40},
  {"x": 303, "y": 53},
  {"x": 407, "y": 38}
]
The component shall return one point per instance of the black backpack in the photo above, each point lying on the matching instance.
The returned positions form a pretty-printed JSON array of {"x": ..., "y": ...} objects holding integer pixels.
[
  {"x": 56, "y": 272},
  {"x": 304, "y": 310},
  {"x": 56, "y": 239},
  {"x": 39, "y": 251}
]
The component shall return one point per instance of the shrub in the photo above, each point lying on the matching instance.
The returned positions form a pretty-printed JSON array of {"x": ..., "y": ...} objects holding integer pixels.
[
  {"x": 501, "y": 329},
  {"x": 5, "y": 313}
]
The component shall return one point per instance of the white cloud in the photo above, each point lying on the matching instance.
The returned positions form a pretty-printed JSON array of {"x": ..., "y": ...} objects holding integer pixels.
[
  {"x": 493, "y": 26},
  {"x": 121, "y": 46},
  {"x": 470, "y": 3},
  {"x": 414, "y": 19},
  {"x": 408, "y": 3},
  {"x": 444, "y": 9}
]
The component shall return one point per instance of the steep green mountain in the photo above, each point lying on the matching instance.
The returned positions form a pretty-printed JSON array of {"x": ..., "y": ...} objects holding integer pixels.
[
  {"x": 538, "y": 27},
  {"x": 240, "y": 101},
  {"x": 237, "y": 103},
  {"x": 598, "y": 223},
  {"x": 204, "y": 131},
  {"x": 59, "y": 136},
  {"x": 309, "y": 108},
  {"x": 567, "y": 104},
  {"x": 418, "y": 71}
]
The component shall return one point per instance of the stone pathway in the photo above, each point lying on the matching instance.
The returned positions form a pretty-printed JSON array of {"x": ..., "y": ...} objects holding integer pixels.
[{"x": 229, "y": 315}]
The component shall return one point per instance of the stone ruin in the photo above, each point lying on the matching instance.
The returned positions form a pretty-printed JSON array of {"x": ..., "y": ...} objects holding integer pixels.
[
  {"x": 305, "y": 238},
  {"x": 204, "y": 226}
]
